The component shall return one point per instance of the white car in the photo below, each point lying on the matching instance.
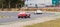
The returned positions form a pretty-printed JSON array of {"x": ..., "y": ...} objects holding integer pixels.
[{"x": 38, "y": 12}]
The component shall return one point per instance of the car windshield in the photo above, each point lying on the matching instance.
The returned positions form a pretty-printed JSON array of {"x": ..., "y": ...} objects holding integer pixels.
[{"x": 38, "y": 10}]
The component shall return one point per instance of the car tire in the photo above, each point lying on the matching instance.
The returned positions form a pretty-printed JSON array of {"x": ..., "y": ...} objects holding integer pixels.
[
  {"x": 25, "y": 17},
  {"x": 40, "y": 13},
  {"x": 21, "y": 17},
  {"x": 28, "y": 16},
  {"x": 18, "y": 17}
]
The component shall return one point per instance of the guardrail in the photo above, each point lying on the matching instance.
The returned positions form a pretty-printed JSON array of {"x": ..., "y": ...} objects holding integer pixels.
[{"x": 54, "y": 9}]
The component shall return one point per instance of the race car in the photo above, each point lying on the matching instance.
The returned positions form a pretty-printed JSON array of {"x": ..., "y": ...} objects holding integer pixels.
[
  {"x": 24, "y": 15},
  {"x": 38, "y": 12}
]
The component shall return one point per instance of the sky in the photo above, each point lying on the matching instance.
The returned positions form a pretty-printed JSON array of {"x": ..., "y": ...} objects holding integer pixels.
[{"x": 38, "y": 1}]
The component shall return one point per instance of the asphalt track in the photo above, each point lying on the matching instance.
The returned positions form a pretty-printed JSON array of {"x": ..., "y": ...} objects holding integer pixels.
[{"x": 12, "y": 16}]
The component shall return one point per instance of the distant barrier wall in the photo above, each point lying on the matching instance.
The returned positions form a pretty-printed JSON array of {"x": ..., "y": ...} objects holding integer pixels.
[{"x": 57, "y": 9}]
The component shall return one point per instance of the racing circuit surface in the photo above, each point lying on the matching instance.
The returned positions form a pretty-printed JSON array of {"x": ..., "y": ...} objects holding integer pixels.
[{"x": 12, "y": 16}]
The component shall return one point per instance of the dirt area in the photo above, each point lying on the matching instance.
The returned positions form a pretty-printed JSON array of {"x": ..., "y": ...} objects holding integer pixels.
[{"x": 52, "y": 23}]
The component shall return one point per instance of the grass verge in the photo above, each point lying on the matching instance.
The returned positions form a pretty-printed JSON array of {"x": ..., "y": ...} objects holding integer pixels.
[
  {"x": 4, "y": 16},
  {"x": 52, "y": 23}
]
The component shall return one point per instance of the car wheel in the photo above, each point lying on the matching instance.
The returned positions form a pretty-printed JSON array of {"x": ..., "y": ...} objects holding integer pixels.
[
  {"x": 25, "y": 17},
  {"x": 28, "y": 16},
  {"x": 37, "y": 13},
  {"x": 40, "y": 13},
  {"x": 18, "y": 17},
  {"x": 21, "y": 17}
]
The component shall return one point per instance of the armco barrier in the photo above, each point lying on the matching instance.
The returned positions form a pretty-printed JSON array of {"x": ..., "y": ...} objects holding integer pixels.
[{"x": 32, "y": 9}]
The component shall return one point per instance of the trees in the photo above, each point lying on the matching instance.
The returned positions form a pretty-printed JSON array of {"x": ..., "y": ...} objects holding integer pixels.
[
  {"x": 21, "y": 3},
  {"x": 1, "y": 3},
  {"x": 11, "y": 3}
]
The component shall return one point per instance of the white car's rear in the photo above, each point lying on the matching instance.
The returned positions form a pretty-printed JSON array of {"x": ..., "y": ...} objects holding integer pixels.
[{"x": 38, "y": 12}]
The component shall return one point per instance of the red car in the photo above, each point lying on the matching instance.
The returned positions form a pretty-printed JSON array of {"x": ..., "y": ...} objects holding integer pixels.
[{"x": 24, "y": 15}]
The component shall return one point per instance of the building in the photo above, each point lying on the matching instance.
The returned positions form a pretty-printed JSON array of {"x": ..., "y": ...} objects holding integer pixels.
[{"x": 41, "y": 3}]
